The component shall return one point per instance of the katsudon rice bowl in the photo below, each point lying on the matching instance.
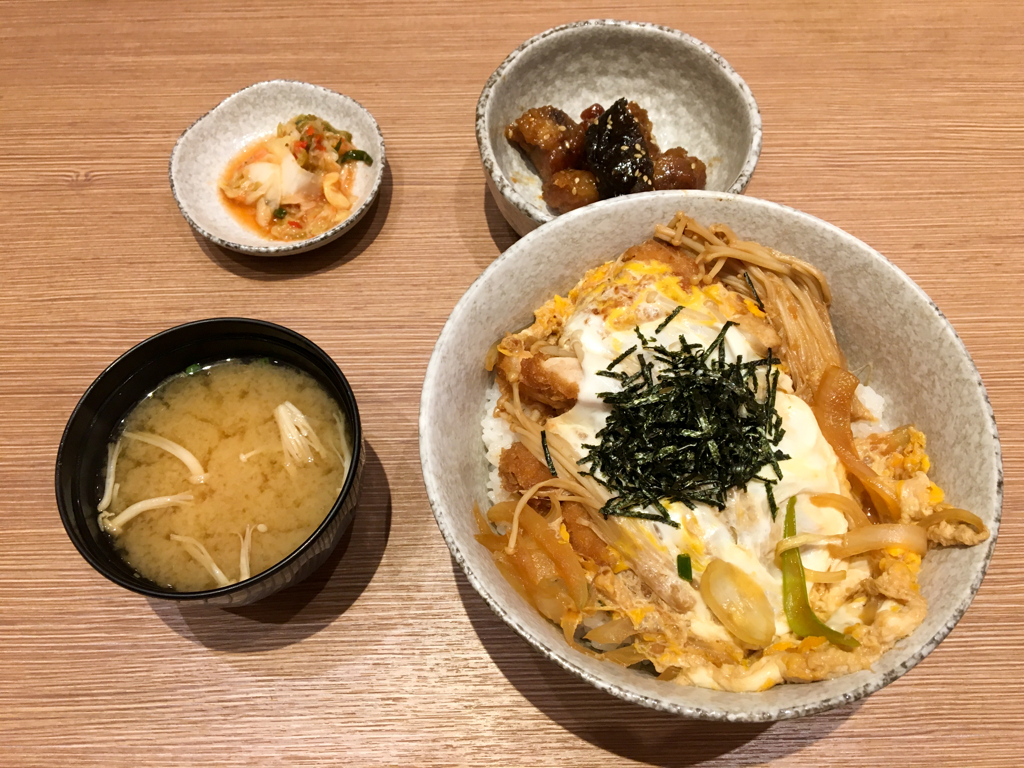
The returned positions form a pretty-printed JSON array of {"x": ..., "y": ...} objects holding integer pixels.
[{"x": 696, "y": 461}]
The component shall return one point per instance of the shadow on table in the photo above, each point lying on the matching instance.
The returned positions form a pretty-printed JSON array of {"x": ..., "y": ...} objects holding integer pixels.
[
  {"x": 628, "y": 730},
  {"x": 322, "y": 259},
  {"x": 302, "y": 610},
  {"x": 471, "y": 194}
]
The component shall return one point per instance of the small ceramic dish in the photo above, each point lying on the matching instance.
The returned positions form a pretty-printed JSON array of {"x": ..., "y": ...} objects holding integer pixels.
[
  {"x": 693, "y": 97},
  {"x": 82, "y": 455},
  {"x": 204, "y": 150},
  {"x": 881, "y": 318}
]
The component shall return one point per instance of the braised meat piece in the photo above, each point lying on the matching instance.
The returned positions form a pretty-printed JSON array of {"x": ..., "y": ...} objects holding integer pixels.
[
  {"x": 655, "y": 250},
  {"x": 606, "y": 154},
  {"x": 519, "y": 471},
  {"x": 582, "y": 536},
  {"x": 552, "y": 140},
  {"x": 674, "y": 169},
  {"x": 640, "y": 115},
  {"x": 617, "y": 153},
  {"x": 571, "y": 189},
  {"x": 554, "y": 381}
]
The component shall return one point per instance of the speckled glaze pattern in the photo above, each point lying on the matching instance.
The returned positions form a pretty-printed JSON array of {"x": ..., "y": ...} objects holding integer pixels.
[
  {"x": 692, "y": 95},
  {"x": 204, "y": 150},
  {"x": 919, "y": 364}
]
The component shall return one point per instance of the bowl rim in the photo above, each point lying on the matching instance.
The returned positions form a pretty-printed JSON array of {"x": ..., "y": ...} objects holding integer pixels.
[
  {"x": 540, "y": 215},
  {"x": 258, "y": 326},
  {"x": 434, "y": 375},
  {"x": 297, "y": 246}
]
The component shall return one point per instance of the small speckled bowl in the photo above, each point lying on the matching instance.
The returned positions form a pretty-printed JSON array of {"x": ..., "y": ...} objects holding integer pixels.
[
  {"x": 693, "y": 97},
  {"x": 881, "y": 317},
  {"x": 204, "y": 150}
]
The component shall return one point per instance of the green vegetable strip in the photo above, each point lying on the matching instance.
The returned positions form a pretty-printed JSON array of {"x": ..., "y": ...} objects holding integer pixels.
[
  {"x": 194, "y": 368},
  {"x": 684, "y": 567},
  {"x": 355, "y": 154},
  {"x": 802, "y": 620},
  {"x": 547, "y": 453}
]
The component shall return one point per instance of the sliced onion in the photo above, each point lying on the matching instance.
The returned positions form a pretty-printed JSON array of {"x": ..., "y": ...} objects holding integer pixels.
[
  {"x": 855, "y": 516},
  {"x": 511, "y": 574},
  {"x": 492, "y": 541},
  {"x": 794, "y": 542},
  {"x": 856, "y": 542},
  {"x": 334, "y": 196},
  {"x": 953, "y": 515},
  {"x": 502, "y": 512},
  {"x": 738, "y": 602},
  {"x": 481, "y": 523},
  {"x": 612, "y": 632},
  {"x": 571, "y": 620},
  {"x": 561, "y": 554},
  {"x": 833, "y": 401},
  {"x": 670, "y": 674},
  {"x": 551, "y": 600},
  {"x": 627, "y": 656},
  {"x": 824, "y": 577}
]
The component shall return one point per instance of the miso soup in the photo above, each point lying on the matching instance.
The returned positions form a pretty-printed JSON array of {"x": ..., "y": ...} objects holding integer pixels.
[{"x": 222, "y": 472}]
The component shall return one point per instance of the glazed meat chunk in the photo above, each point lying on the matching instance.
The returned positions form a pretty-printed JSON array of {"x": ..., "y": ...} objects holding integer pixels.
[
  {"x": 552, "y": 140},
  {"x": 675, "y": 169},
  {"x": 570, "y": 189}
]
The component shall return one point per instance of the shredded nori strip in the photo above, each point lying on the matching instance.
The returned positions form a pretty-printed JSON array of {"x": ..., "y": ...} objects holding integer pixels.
[
  {"x": 757, "y": 298},
  {"x": 547, "y": 455},
  {"x": 687, "y": 427},
  {"x": 667, "y": 320}
]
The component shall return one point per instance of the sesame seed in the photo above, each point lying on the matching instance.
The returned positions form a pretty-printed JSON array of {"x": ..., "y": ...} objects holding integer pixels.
[
  {"x": 637, "y": 146},
  {"x": 574, "y": 190}
]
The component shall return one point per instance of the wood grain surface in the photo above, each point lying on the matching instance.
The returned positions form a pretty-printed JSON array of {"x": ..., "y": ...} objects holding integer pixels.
[{"x": 901, "y": 122}]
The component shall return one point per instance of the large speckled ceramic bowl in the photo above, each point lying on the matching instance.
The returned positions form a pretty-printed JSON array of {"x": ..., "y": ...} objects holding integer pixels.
[
  {"x": 205, "y": 149},
  {"x": 693, "y": 97},
  {"x": 881, "y": 317}
]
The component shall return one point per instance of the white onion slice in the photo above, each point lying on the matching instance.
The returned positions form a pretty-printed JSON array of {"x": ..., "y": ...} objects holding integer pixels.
[{"x": 738, "y": 602}]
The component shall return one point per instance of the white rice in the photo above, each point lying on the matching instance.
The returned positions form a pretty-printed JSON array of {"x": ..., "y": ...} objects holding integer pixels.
[
  {"x": 497, "y": 437},
  {"x": 875, "y": 403}
]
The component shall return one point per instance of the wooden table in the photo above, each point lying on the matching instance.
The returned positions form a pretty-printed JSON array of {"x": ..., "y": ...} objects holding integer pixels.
[{"x": 903, "y": 123}]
